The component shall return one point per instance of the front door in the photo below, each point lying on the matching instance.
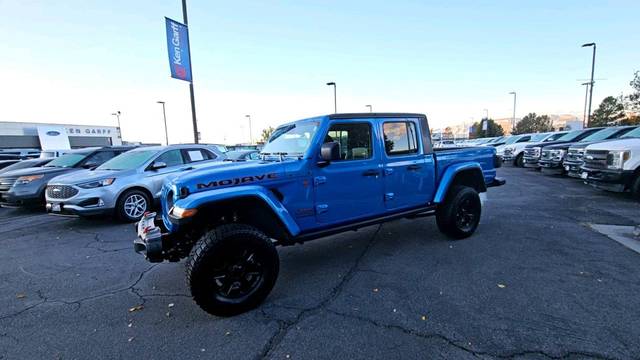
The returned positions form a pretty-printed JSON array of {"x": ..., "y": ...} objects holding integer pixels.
[
  {"x": 175, "y": 163},
  {"x": 350, "y": 189}
]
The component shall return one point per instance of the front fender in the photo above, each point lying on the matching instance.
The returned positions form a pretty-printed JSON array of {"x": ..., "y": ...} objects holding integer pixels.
[
  {"x": 450, "y": 174},
  {"x": 197, "y": 200}
]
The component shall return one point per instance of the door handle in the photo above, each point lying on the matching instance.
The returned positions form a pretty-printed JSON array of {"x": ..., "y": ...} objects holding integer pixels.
[
  {"x": 371, "y": 172},
  {"x": 187, "y": 168},
  {"x": 414, "y": 167}
]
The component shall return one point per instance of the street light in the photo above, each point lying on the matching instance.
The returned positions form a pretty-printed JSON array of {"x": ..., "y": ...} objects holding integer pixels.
[
  {"x": 117, "y": 115},
  {"x": 250, "y": 135},
  {"x": 164, "y": 114},
  {"x": 513, "y": 121},
  {"x": 486, "y": 113},
  {"x": 370, "y": 108},
  {"x": 586, "y": 94},
  {"x": 335, "y": 100},
  {"x": 593, "y": 64}
]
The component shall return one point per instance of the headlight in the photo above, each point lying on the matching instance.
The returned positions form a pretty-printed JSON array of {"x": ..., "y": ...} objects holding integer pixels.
[
  {"x": 23, "y": 180},
  {"x": 557, "y": 154},
  {"x": 616, "y": 159},
  {"x": 97, "y": 184}
]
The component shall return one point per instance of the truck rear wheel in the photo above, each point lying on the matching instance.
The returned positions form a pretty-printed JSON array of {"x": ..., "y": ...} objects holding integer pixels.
[
  {"x": 232, "y": 269},
  {"x": 459, "y": 216}
]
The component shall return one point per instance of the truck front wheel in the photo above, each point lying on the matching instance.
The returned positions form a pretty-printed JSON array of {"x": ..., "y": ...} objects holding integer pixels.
[
  {"x": 635, "y": 187},
  {"x": 459, "y": 215},
  {"x": 232, "y": 269}
]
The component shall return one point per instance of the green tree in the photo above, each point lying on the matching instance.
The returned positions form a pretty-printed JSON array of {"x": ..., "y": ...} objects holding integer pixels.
[
  {"x": 633, "y": 100},
  {"x": 610, "y": 112},
  {"x": 533, "y": 123},
  {"x": 266, "y": 134},
  {"x": 493, "y": 129}
]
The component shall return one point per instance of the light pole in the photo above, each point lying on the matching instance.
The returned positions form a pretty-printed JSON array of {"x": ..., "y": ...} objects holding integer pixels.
[
  {"x": 370, "y": 108},
  {"x": 117, "y": 115},
  {"x": 513, "y": 121},
  {"x": 250, "y": 135},
  {"x": 586, "y": 95},
  {"x": 335, "y": 99},
  {"x": 164, "y": 114},
  {"x": 593, "y": 65}
]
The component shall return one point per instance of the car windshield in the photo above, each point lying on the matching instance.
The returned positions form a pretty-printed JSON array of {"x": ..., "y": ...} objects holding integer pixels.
[
  {"x": 68, "y": 160},
  {"x": 570, "y": 135},
  {"x": 538, "y": 137},
  {"x": 512, "y": 139},
  {"x": 601, "y": 135},
  {"x": 292, "y": 139},
  {"x": 635, "y": 133},
  {"x": 128, "y": 160}
]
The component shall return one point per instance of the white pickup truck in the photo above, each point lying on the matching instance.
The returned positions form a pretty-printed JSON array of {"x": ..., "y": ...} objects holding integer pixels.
[
  {"x": 514, "y": 151},
  {"x": 614, "y": 165}
]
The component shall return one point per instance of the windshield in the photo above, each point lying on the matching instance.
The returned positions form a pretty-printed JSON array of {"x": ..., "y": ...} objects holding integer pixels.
[
  {"x": 570, "y": 135},
  {"x": 601, "y": 135},
  {"x": 128, "y": 160},
  {"x": 68, "y": 160},
  {"x": 293, "y": 139},
  {"x": 512, "y": 139},
  {"x": 635, "y": 133},
  {"x": 538, "y": 137}
]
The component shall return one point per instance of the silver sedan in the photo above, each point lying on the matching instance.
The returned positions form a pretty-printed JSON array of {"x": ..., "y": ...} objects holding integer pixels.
[{"x": 128, "y": 184}]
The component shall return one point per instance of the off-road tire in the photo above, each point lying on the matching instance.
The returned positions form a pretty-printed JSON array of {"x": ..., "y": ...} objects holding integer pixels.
[
  {"x": 451, "y": 216},
  {"x": 120, "y": 212},
  {"x": 519, "y": 162},
  {"x": 211, "y": 257},
  {"x": 635, "y": 187}
]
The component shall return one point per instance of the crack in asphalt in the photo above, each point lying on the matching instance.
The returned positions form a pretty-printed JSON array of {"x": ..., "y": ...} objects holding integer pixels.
[
  {"x": 285, "y": 325},
  {"x": 78, "y": 302},
  {"x": 466, "y": 349}
]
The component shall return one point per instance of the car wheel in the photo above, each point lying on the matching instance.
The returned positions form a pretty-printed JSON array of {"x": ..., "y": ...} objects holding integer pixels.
[
  {"x": 519, "y": 160},
  {"x": 232, "y": 269},
  {"x": 459, "y": 216},
  {"x": 635, "y": 187},
  {"x": 132, "y": 205}
]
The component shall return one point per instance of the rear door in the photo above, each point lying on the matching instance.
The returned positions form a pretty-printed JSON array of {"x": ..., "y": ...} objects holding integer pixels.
[
  {"x": 408, "y": 171},
  {"x": 350, "y": 189}
]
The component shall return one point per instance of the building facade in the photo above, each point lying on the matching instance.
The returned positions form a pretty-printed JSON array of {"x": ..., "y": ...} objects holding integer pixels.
[{"x": 30, "y": 135}]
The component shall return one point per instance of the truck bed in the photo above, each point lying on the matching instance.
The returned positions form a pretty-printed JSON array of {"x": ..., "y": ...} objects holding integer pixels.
[{"x": 483, "y": 155}]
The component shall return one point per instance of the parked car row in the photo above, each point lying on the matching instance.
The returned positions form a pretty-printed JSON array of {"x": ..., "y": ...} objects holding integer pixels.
[
  {"x": 124, "y": 181},
  {"x": 606, "y": 158}
]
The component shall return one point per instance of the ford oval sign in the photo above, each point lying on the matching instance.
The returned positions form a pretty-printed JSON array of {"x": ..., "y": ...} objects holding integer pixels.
[{"x": 53, "y": 133}]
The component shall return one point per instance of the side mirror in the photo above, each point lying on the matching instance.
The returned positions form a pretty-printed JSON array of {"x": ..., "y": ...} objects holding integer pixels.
[
  {"x": 90, "y": 165},
  {"x": 329, "y": 152},
  {"x": 156, "y": 165}
]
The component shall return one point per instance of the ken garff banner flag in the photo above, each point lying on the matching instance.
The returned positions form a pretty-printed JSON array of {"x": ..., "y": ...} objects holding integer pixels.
[{"x": 178, "y": 46}]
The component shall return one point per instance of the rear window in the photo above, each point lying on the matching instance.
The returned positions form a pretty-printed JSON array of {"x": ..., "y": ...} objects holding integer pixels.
[
  {"x": 400, "y": 138},
  {"x": 632, "y": 134}
]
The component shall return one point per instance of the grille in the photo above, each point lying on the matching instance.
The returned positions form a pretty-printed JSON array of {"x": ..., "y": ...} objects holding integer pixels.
[
  {"x": 532, "y": 152},
  {"x": 575, "y": 155},
  {"x": 7, "y": 183},
  {"x": 596, "y": 159},
  {"x": 61, "y": 191}
]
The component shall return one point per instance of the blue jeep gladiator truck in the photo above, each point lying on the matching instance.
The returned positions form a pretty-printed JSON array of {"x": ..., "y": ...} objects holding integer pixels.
[{"x": 316, "y": 177}]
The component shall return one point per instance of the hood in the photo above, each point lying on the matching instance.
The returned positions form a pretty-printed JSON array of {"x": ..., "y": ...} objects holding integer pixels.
[
  {"x": 581, "y": 145},
  {"x": 229, "y": 174},
  {"x": 620, "y": 144},
  {"x": 37, "y": 171},
  {"x": 547, "y": 144},
  {"x": 84, "y": 175}
]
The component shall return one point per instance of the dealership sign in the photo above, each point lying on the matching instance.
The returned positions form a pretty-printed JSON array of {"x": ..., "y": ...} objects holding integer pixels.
[{"x": 178, "y": 47}]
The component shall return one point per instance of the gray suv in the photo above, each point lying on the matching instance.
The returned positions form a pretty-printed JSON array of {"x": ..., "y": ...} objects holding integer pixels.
[{"x": 126, "y": 185}]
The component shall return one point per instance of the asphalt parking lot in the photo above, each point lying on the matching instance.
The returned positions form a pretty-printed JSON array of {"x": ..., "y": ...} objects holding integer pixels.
[{"x": 534, "y": 282}]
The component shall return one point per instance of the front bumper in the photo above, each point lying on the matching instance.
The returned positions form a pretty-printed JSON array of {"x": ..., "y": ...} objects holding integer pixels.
[
  {"x": 573, "y": 168},
  {"x": 610, "y": 180},
  {"x": 551, "y": 166},
  {"x": 531, "y": 162},
  {"x": 151, "y": 236},
  {"x": 86, "y": 202},
  {"x": 17, "y": 196}
]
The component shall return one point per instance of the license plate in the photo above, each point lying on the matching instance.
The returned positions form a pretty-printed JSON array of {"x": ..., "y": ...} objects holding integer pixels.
[
  {"x": 584, "y": 175},
  {"x": 147, "y": 221},
  {"x": 56, "y": 207}
]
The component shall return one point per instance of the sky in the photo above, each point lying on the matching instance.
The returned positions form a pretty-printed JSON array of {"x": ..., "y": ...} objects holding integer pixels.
[{"x": 76, "y": 62}]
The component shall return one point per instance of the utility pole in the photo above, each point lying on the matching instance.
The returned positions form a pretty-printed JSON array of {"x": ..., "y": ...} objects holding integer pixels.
[
  {"x": 193, "y": 101},
  {"x": 513, "y": 120},
  {"x": 250, "y": 134},
  {"x": 164, "y": 114},
  {"x": 117, "y": 115},
  {"x": 335, "y": 99},
  {"x": 593, "y": 65},
  {"x": 370, "y": 108},
  {"x": 586, "y": 95}
]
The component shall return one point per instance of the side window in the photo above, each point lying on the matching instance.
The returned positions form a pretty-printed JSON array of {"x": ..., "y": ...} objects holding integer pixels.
[
  {"x": 254, "y": 156},
  {"x": 354, "y": 139},
  {"x": 100, "y": 157},
  {"x": 195, "y": 155},
  {"x": 400, "y": 138},
  {"x": 171, "y": 158},
  {"x": 524, "y": 139}
]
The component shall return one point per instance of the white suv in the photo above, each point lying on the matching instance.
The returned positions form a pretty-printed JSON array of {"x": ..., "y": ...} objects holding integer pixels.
[
  {"x": 614, "y": 165},
  {"x": 515, "y": 151}
]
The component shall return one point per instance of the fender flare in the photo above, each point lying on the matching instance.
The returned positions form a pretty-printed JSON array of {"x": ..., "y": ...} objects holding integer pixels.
[
  {"x": 450, "y": 174},
  {"x": 200, "y": 199}
]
